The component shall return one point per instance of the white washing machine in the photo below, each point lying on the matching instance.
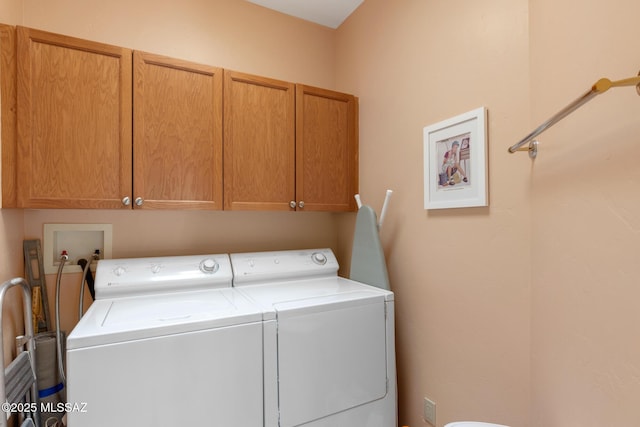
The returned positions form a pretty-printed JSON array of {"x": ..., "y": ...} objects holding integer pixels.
[
  {"x": 167, "y": 342},
  {"x": 329, "y": 349}
]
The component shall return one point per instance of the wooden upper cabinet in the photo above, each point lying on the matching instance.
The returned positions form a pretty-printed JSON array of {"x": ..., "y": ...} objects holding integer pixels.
[
  {"x": 74, "y": 122},
  {"x": 177, "y": 134},
  {"x": 89, "y": 125},
  {"x": 326, "y": 149},
  {"x": 8, "y": 110},
  {"x": 259, "y": 143}
]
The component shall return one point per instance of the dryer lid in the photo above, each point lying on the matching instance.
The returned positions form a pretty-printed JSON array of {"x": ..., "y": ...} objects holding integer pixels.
[
  {"x": 115, "y": 320},
  {"x": 305, "y": 294}
]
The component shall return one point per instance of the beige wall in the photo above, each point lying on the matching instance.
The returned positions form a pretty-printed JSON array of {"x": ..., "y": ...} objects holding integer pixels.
[
  {"x": 11, "y": 11},
  {"x": 227, "y": 33},
  {"x": 586, "y": 210},
  {"x": 461, "y": 277},
  {"x": 559, "y": 327}
]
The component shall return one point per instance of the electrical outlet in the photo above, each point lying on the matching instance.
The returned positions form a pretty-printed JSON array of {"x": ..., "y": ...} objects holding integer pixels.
[{"x": 429, "y": 411}]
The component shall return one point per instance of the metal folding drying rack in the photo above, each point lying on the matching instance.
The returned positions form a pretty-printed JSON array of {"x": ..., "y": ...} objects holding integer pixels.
[{"x": 18, "y": 387}]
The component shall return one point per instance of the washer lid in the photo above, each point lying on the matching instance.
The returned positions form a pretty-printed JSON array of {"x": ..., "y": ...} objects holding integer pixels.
[{"x": 124, "y": 319}]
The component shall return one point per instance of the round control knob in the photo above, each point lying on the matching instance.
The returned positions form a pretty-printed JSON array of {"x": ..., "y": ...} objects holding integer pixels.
[
  {"x": 209, "y": 265},
  {"x": 155, "y": 268},
  {"x": 319, "y": 258},
  {"x": 119, "y": 271}
]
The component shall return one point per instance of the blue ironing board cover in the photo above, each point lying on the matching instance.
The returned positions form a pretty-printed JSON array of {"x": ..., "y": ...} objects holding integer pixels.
[{"x": 367, "y": 258}]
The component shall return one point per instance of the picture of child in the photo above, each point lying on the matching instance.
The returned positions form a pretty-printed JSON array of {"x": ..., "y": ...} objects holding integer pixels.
[{"x": 453, "y": 152}]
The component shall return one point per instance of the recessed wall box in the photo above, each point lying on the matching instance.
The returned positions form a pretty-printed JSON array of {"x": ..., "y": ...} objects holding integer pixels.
[{"x": 79, "y": 240}]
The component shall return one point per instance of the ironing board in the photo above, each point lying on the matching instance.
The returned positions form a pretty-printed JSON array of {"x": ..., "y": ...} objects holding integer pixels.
[{"x": 368, "y": 264}]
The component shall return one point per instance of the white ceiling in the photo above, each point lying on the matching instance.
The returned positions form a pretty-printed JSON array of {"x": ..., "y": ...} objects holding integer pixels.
[{"x": 330, "y": 13}]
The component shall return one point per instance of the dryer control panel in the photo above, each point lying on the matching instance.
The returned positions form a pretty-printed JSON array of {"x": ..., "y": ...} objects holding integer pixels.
[
  {"x": 141, "y": 276},
  {"x": 268, "y": 267}
]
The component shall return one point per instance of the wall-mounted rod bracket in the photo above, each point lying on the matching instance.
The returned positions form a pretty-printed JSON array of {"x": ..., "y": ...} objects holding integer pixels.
[
  {"x": 532, "y": 149},
  {"x": 599, "y": 87}
]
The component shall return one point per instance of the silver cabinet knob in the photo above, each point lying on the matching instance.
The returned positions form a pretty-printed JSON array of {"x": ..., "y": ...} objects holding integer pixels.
[
  {"x": 292, "y": 204},
  {"x": 301, "y": 204},
  {"x": 126, "y": 201},
  {"x": 139, "y": 201}
]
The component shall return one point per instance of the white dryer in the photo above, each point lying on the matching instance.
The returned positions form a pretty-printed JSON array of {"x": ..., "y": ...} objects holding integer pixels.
[
  {"x": 167, "y": 342},
  {"x": 329, "y": 349}
]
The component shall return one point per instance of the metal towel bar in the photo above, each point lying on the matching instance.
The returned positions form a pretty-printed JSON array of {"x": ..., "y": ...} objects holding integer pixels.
[{"x": 601, "y": 86}]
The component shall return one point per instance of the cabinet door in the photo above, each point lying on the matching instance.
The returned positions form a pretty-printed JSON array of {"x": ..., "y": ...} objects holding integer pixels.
[
  {"x": 259, "y": 143},
  {"x": 8, "y": 114},
  {"x": 74, "y": 122},
  {"x": 177, "y": 134},
  {"x": 326, "y": 150}
]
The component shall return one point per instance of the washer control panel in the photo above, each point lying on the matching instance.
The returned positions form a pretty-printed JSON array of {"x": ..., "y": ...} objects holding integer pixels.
[
  {"x": 140, "y": 276},
  {"x": 267, "y": 267}
]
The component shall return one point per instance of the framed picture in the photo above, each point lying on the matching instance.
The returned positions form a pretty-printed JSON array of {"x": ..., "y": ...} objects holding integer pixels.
[{"x": 455, "y": 162}]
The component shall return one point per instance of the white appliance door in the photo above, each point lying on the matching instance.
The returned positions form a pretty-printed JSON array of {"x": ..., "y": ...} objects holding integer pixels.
[
  {"x": 331, "y": 357},
  {"x": 204, "y": 378}
]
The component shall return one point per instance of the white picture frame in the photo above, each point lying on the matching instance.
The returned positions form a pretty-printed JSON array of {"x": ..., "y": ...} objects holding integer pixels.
[{"x": 455, "y": 162}]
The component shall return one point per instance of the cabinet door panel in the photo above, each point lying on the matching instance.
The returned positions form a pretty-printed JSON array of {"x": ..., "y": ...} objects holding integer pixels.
[
  {"x": 259, "y": 143},
  {"x": 326, "y": 149},
  {"x": 177, "y": 133},
  {"x": 8, "y": 114},
  {"x": 74, "y": 122}
]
